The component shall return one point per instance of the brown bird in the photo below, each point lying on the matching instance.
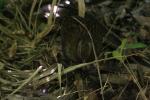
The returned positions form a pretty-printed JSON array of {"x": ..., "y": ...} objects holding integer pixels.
[
  {"x": 76, "y": 41},
  {"x": 78, "y": 34}
]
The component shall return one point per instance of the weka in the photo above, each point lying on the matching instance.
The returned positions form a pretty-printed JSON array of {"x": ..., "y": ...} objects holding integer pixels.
[{"x": 76, "y": 41}]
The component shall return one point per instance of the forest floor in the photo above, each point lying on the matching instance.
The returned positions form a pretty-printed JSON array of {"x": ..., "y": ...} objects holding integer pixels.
[{"x": 75, "y": 50}]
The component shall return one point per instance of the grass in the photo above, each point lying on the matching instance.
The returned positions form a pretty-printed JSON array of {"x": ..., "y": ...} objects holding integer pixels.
[{"x": 24, "y": 48}]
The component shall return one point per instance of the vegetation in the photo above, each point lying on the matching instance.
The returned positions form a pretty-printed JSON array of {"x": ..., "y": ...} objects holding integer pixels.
[{"x": 94, "y": 50}]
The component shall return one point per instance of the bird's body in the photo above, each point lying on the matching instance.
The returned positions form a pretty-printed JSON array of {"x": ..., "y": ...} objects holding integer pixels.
[
  {"x": 75, "y": 33},
  {"x": 76, "y": 41}
]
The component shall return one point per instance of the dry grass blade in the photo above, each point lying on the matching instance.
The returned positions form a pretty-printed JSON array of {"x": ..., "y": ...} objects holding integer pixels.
[
  {"x": 35, "y": 26},
  {"x": 31, "y": 12},
  {"x": 81, "y": 8},
  {"x": 26, "y": 81},
  {"x": 59, "y": 73},
  {"x": 95, "y": 55},
  {"x": 21, "y": 18},
  {"x": 47, "y": 28},
  {"x": 6, "y": 31},
  {"x": 12, "y": 50},
  {"x": 68, "y": 70},
  {"x": 135, "y": 81},
  {"x": 1, "y": 65}
]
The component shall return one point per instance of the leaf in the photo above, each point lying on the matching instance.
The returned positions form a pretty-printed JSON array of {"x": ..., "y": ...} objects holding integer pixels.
[
  {"x": 81, "y": 8},
  {"x": 118, "y": 53},
  {"x": 123, "y": 44},
  {"x": 135, "y": 45}
]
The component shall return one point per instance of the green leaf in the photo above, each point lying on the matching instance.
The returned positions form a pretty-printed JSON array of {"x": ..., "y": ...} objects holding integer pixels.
[
  {"x": 135, "y": 45},
  {"x": 118, "y": 53},
  {"x": 123, "y": 44}
]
